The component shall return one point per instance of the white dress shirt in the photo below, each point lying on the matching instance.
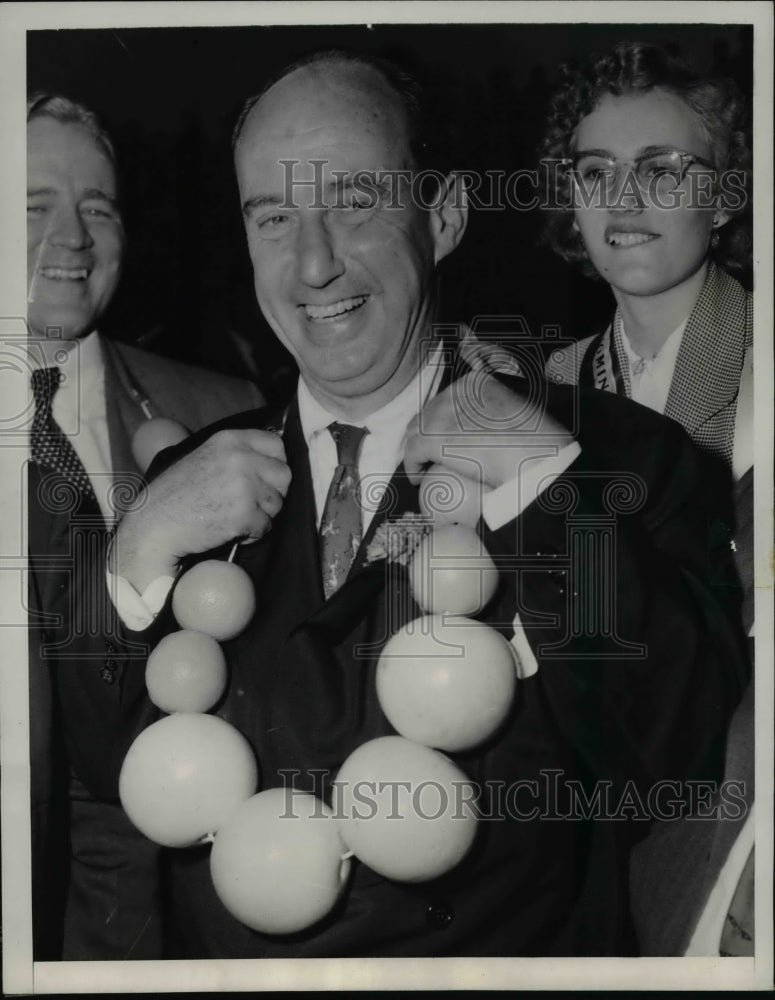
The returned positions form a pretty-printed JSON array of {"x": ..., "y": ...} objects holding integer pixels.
[
  {"x": 650, "y": 378},
  {"x": 381, "y": 453},
  {"x": 382, "y": 448}
]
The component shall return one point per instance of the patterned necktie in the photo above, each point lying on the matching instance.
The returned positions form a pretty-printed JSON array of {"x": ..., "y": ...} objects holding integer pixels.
[
  {"x": 340, "y": 526},
  {"x": 50, "y": 446}
]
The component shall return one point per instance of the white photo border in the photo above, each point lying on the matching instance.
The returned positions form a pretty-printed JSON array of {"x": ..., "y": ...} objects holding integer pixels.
[{"x": 20, "y": 974}]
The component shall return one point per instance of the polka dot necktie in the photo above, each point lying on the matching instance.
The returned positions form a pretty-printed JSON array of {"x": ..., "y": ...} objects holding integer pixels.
[
  {"x": 50, "y": 446},
  {"x": 340, "y": 526}
]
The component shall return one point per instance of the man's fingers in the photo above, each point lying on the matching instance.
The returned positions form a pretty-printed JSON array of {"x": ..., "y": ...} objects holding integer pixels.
[
  {"x": 273, "y": 472},
  {"x": 461, "y": 453},
  {"x": 266, "y": 443},
  {"x": 417, "y": 455},
  {"x": 447, "y": 497},
  {"x": 259, "y": 525},
  {"x": 269, "y": 499}
]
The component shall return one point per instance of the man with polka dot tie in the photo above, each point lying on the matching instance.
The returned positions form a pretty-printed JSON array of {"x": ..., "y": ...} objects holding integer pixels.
[{"x": 87, "y": 392}]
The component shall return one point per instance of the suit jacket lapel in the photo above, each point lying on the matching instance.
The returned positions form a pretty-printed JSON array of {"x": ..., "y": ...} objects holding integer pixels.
[
  {"x": 123, "y": 412},
  {"x": 710, "y": 359},
  {"x": 290, "y": 549},
  {"x": 299, "y": 518}
]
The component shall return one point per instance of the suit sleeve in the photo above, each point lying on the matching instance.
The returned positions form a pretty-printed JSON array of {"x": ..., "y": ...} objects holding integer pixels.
[
  {"x": 643, "y": 663},
  {"x": 102, "y": 688}
]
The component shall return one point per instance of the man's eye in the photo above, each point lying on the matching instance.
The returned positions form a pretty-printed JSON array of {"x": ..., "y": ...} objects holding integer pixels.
[
  {"x": 357, "y": 208},
  {"x": 97, "y": 212},
  {"x": 360, "y": 203},
  {"x": 272, "y": 226},
  {"x": 35, "y": 209}
]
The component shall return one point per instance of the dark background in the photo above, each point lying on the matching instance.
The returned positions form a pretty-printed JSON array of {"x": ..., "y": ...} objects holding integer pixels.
[{"x": 170, "y": 96}]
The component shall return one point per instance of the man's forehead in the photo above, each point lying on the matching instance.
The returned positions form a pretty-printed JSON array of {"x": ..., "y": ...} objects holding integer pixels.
[
  {"x": 352, "y": 103},
  {"x": 65, "y": 142}
]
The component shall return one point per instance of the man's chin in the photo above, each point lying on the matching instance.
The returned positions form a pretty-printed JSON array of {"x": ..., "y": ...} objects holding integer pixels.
[{"x": 61, "y": 325}]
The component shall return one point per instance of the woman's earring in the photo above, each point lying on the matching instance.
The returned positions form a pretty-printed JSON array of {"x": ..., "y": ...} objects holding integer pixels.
[{"x": 714, "y": 239}]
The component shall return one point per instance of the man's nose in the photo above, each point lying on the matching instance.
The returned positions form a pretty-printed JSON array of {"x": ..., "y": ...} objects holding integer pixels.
[
  {"x": 319, "y": 260},
  {"x": 69, "y": 230}
]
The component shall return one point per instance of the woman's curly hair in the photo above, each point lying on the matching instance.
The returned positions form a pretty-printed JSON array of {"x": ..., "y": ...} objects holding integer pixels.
[{"x": 638, "y": 67}]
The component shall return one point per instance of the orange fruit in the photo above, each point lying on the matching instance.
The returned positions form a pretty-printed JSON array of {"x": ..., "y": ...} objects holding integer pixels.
[
  {"x": 186, "y": 672},
  {"x": 451, "y": 571},
  {"x": 279, "y": 865},
  {"x": 404, "y": 810},
  {"x": 214, "y": 597},
  {"x": 446, "y": 681},
  {"x": 154, "y": 436},
  {"x": 184, "y": 776}
]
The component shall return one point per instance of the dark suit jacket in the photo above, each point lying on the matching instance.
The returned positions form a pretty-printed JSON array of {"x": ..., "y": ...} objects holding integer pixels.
[
  {"x": 74, "y": 681},
  {"x": 674, "y": 870},
  {"x": 616, "y": 711},
  {"x": 645, "y": 696}
]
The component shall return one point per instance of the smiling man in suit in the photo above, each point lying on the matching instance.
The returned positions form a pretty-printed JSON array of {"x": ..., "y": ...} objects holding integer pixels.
[
  {"x": 616, "y": 696},
  {"x": 91, "y": 396}
]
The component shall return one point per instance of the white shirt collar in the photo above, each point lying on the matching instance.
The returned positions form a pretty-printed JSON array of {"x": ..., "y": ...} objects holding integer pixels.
[
  {"x": 395, "y": 414},
  {"x": 382, "y": 448},
  {"x": 81, "y": 389},
  {"x": 85, "y": 356},
  {"x": 650, "y": 378},
  {"x": 667, "y": 353}
]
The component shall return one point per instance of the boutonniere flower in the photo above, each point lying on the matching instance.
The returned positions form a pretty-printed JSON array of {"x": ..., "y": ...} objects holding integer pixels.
[{"x": 396, "y": 539}]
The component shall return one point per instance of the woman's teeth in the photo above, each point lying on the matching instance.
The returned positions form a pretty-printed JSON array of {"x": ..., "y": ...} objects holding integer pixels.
[{"x": 628, "y": 239}]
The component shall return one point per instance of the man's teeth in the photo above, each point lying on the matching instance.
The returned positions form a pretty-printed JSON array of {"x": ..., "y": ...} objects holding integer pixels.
[
  {"x": 629, "y": 239},
  {"x": 335, "y": 309},
  {"x": 65, "y": 273}
]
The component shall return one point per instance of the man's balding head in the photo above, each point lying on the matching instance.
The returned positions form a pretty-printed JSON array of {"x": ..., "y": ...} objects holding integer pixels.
[
  {"x": 343, "y": 254},
  {"x": 406, "y": 89}
]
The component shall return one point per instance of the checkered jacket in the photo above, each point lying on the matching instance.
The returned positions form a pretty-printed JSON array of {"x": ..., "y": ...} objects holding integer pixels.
[{"x": 711, "y": 361}]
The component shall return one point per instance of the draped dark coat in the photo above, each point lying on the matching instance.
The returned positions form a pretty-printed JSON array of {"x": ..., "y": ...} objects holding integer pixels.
[{"x": 640, "y": 667}]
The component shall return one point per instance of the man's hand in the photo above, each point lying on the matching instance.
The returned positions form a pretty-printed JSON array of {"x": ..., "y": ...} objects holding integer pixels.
[
  {"x": 229, "y": 488},
  {"x": 472, "y": 438}
]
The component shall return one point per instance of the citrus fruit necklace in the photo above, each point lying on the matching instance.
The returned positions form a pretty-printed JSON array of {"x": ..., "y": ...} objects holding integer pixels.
[{"x": 281, "y": 858}]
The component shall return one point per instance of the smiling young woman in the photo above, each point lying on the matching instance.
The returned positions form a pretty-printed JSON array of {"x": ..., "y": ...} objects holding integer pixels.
[
  {"x": 649, "y": 191},
  {"x": 648, "y": 168}
]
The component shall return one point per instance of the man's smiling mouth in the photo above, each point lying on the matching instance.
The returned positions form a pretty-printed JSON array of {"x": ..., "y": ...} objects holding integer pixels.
[
  {"x": 64, "y": 273},
  {"x": 335, "y": 310}
]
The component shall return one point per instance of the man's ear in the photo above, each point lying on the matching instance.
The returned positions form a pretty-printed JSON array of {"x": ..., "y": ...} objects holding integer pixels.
[{"x": 449, "y": 216}]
